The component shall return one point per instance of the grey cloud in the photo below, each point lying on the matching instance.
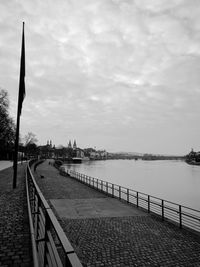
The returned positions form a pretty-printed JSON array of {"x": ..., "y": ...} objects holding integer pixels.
[{"x": 109, "y": 65}]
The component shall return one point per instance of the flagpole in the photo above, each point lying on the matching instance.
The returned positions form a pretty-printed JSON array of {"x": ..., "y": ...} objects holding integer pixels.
[
  {"x": 16, "y": 149},
  {"x": 20, "y": 100}
]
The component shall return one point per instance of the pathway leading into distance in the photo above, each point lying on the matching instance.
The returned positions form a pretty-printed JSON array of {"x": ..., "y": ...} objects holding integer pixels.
[{"x": 107, "y": 232}]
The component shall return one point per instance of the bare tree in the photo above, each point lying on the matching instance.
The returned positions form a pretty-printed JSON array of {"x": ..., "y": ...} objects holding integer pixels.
[{"x": 30, "y": 138}]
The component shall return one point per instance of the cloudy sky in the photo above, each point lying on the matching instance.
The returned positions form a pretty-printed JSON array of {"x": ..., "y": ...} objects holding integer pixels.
[{"x": 120, "y": 75}]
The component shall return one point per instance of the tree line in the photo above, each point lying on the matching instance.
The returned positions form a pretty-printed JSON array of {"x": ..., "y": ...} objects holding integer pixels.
[
  {"x": 7, "y": 127},
  {"x": 27, "y": 144}
]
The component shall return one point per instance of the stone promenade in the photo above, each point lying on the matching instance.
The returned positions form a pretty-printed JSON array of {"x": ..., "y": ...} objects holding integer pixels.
[
  {"x": 15, "y": 243},
  {"x": 107, "y": 232}
]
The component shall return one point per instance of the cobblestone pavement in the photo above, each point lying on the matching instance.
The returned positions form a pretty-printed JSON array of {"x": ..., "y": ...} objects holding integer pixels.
[
  {"x": 119, "y": 241},
  {"x": 15, "y": 243}
]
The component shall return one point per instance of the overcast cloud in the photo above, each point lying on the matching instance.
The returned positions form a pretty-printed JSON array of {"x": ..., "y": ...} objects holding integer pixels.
[{"x": 122, "y": 75}]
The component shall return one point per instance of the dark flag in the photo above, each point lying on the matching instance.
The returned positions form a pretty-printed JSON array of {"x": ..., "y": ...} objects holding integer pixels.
[
  {"x": 22, "y": 75},
  {"x": 21, "y": 96}
]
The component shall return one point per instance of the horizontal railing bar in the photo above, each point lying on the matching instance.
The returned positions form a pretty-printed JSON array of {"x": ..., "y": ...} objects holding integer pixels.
[
  {"x": 34, "y": 249},
  {"x": 167, "y": 201},
  {"x": 61, "y": 235},
  {"x": 52, "y": 248},
  {"x": 164, "y": 208},
  {"x": 44, "y": 219},
  {"x": 131, "y": 190},
  {"x": 50, "y": 262},
  {"x": 191, "y": 216}
]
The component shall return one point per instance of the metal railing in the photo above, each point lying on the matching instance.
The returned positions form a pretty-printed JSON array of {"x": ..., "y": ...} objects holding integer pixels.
[
  {"x": 49, "y": 243},
  {"x": 183, "y": 216}
]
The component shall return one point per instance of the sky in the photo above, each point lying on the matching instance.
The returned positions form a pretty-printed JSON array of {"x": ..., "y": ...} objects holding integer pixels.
[{"x": 120, "y": 75}]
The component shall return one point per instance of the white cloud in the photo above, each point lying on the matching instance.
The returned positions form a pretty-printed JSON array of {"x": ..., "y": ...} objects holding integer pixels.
[{"x": 104, "y": 65}]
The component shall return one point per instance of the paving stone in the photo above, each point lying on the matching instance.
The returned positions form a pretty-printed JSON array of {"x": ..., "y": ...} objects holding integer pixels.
[
  {"x": 15, "y": 242},
  {"x": 118, "y": 241}
]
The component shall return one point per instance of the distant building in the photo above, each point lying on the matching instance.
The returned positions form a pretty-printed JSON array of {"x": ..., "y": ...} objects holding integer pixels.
[
  {"x": 74, "y": 151},
  {"x": 79, "y": 153},
  {"x": 74, "y": 145},
  {"x": 69, "y": 144},
  {"x": 98, "y": 155},
  {"x": 47, "y": 151}
]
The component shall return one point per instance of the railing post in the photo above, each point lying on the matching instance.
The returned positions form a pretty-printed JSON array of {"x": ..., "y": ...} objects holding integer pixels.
[
  {"x": 127, "y": 195},
  {"x": 119, "y": 192},
  {"x": 163, "y": 215},
  {"x": 180, "y": 217},
  {"x": 32, "y": 197},
  {"x": 113, "y": 190},
  {"x": 47, "y": 227},
  {"x": 93, "y": 181},
  {"x": 97, "y": 183},
  {"x": 101, "y": 185},
  {"x": 107, "y": 187},
  {"x": 33, "y": 204},
  {"x": 37, "y": 218},
  {"x": 137, "y": 200},
  {"x": 148, "y": 203}
]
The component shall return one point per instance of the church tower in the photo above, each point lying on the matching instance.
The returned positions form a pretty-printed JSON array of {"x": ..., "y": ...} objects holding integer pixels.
[
  {"x": 74, "y": 145},
  {"x": 69, "y": 145}
]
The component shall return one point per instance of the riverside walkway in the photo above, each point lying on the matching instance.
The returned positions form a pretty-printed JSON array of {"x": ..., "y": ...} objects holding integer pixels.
[
  {"x": 15, "y": 243},
  {"x": 107, "y": 232}
]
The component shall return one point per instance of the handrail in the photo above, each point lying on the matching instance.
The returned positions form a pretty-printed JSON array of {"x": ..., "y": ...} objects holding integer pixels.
[
  {"x": 34, "y": 249},
  {"x": 50, "y": 245},
  {"x": 182, "y": 215}
]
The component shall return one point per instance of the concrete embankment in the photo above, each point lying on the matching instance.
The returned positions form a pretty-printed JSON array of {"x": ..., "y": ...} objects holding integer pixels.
[{"x": 107, "y": 232}]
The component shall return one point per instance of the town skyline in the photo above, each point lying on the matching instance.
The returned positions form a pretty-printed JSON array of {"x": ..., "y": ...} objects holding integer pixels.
[
  {"x": 73, "y": 143},
  {"x": 120, "y": 75}
]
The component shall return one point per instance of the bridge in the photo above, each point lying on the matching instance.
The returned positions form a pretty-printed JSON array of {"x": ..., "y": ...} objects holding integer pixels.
[{"x": 76, "y": 220}]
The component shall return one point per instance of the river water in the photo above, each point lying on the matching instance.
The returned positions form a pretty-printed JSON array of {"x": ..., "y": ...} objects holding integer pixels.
[{"x": 175, "y": 180}]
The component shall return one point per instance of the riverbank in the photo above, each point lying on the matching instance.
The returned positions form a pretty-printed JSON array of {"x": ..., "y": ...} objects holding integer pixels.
[
  {"x": 103, "y": 237},
  {"x": 192, "y": 162}
]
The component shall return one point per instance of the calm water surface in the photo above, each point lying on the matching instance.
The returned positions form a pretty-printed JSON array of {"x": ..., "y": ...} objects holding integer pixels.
[{"x": 175, "y": 181}]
